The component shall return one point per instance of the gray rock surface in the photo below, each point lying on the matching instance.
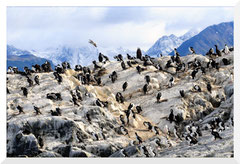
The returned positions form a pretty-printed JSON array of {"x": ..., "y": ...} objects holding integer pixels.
[{"x": 73, "y": 135}]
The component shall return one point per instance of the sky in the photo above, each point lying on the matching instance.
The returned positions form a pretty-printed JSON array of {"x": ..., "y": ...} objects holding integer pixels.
[{"x": 39, "y": 28}]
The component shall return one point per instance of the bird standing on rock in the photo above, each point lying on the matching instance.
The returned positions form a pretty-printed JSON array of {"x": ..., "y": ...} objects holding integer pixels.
[
  {"x": 192, "y": 50},
  {"x": 37, "y": 110},
  {"x": 148, "y": 125},
  {"x": 159, "y": 94},
  {"x": 54, "y": 113},
  {"x": 88, "y": 118},
  {"x": 36, "y": 79},
  {"x": 197, "y": 88},
  {"x": 226, "y": 49},
  {"x": 30, "y": 82},
  {"x": 124, "y": 153},
  {"x": 218, "y": 52},
  {"x": 139, "y": 109},
  {"x": 209, "y": 87},
  {"x": 171, "y": 82},
  {"x": 124, "y": 131},
  {"x": 139, "y": 139},
  {"x": 171, "y": 116},
  {"x": 175, "y": 52},
  {"x": 25, "y": 91},
  {"x": 147, "y": 78},
  {"x": 182, "y": 93},
  {"x": 20, "y": 109},
  {"x": 100, "y": 57},
  {"x": 129, "y": 63},
  {"x": 122, "y": 119},
  {"x": 155, "y": 130},
  {"x": 145, "y": 89},
  {"x": 124, "y": 86},
  {"x": 215, "y": 134},
  {"x": 123, "y": 65}
]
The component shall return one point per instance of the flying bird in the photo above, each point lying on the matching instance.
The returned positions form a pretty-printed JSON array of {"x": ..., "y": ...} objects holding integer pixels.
[{"x": 92, "y": 42}]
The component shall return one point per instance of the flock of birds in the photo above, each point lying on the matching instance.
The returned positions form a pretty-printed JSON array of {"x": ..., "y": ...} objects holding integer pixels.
[{"x": 183, "y": 130}]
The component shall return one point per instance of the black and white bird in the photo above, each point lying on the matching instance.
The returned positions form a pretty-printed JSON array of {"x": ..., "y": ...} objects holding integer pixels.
[
  {"x": 197, "y": 88},
  {"x": 37, "y": 110},
  {"x": 225, "y": 61},
  {"x": 122, "y": 119},
  {"x": 218, "y": 52},
  {"x": 203, "y": 70},
  {"x": 130, "y": 107},
  {"x": 199, "y": 132},
  {"x": 40, "y": 141},
  {"x": 124, "y": 86},
  {"x": 100, "y": 57},
  {"x": 226, "y": 49},
  {"x": 176, "y": 53},
  {"x": 20, "y": 109},
  {"x": 216, "y": 134},
  {"x": 194, "y": 72},
  {"x": 192, "y": 140},
  {"x": 123, "y": 65},
  {"x": 171, "y": 82},
  {"x": 36, "y": 79},
  {"x": 171, "y": 116},
  {"x": 123, "y": 153},
  {"x": 88, "y": 118},
  {"x": 159, "y": 95},
  {"x": 129, "y": 63},
  {"x": 155, "y": 130},
  {"x": 151, "y": 151},
  {"x": 99, "y": 103},
  {"x": 157, "y": 142},
  {"x": 95, "y": 136},
  {"x": 148, "y": 79},
  {"x": 58, "y": 110},
  {"x": 124, "y": 131},
  {"x": 139, "y": 139},
  {"x": 148, "y": 125},
  {"x": 192, "y": 50},
  {"x": 178, "y": 118},
  {"x": 54, "y": 113},
  {"x": 139, "y": 109},
  {"x": 144, "y": 151},
  {"x": 209, "y": 87},
  {"x": 145, "y": 89},
  {"x": 182, "y": 93},
  {"x": 102, "y": 135},
  {"x": 25, "y": 91},
  {"x": 158, "y": 67},
  {"x": 176, "y": 133}
]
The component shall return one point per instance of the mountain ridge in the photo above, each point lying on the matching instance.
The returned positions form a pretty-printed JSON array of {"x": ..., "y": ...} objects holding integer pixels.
[
  {"x": 166, "y": 44},
  {"x": 21, "y": 58},
  {"x": 219, "y": 34}
]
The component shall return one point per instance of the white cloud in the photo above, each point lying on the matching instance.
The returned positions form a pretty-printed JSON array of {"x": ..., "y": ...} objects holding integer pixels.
[{"x": 129, "y": 27}]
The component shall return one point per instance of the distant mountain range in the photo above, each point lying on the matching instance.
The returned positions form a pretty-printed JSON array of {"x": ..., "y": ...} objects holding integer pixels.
[
  {"x": 78, "y": 55},
  {"x": 219, "y": 34},
  {"x": 166, "y": 44},
  {"x": 21, "y": 58}
]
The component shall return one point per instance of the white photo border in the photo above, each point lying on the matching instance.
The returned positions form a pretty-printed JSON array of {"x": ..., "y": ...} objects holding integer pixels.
[{"x": 170, "y": 3}]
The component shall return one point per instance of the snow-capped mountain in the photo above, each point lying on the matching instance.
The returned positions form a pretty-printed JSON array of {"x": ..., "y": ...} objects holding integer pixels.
[
  {"x": 78, "y": 55},
  {"x": 21, "y": 58},
  {"x": 218, "y": 34},
  {"x": 166, "y": 44}
]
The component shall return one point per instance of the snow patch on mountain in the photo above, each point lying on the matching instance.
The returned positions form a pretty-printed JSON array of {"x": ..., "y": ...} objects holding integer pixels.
[
  {"x": 78, "y": 55},
  {"x": 166, "y": 44}
]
